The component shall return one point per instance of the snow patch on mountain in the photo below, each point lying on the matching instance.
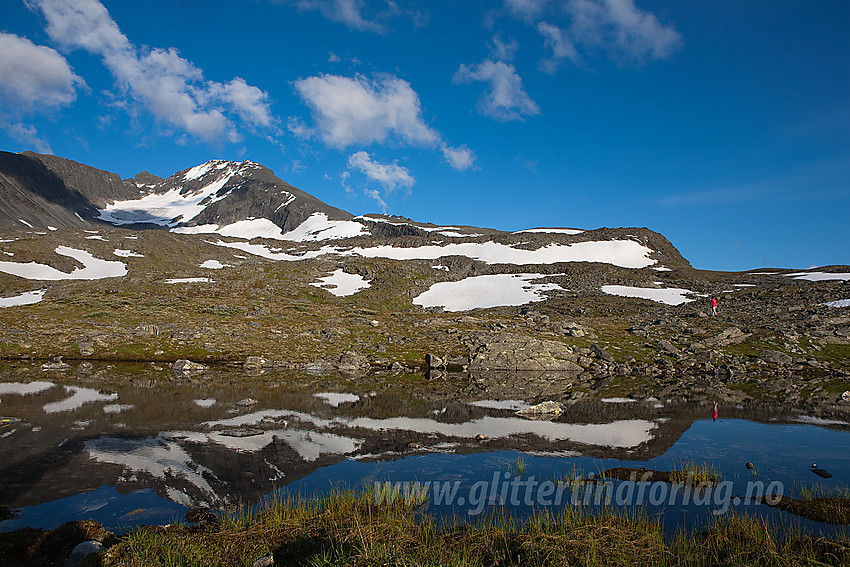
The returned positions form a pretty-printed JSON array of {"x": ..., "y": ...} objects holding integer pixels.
[
  {"x": 93, "y": 268},
  {"x": 481, "y": 292},
  {"x": 342, "y": 284},
  {"x": 175, "y": 205},
  {"x": 570, "y": 231},
  {"x": 668, "y": 296},
  {"x": 26, "y": 298},
  {"x": 319, "y": 227}
]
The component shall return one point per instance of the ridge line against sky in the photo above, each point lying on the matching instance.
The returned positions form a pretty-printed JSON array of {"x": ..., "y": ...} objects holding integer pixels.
[{"x": 723, "y": 126}]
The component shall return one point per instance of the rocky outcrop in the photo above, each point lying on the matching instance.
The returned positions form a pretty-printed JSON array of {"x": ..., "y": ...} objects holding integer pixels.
[{"x": 508, "y": 352}]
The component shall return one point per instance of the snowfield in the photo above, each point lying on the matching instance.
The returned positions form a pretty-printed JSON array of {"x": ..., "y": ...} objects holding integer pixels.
[
  {"x": 481, "y": 292},
  {"x": 173, "y": 206},
  {"x": 93, "y": 268},
  {"x": 551, "y": 230},
  {"x": 839, "y": 303},
  {"x": 26, "y": 298},
  {"x": 342, "y": 284},
  {"x": 668, "y": 296},
  {"x": 188, "y": 280},
  {"x": 820, "y": 276}
]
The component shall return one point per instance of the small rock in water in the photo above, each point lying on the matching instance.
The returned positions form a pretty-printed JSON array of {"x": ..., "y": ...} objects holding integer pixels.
[
  {"x": 846, "y": 396},
  {"x": 434, "y": 361},
  {"x": 749, "y": 465},
  {"x": 247, "y": 402},
  {"x": 481, "y": 437},
  {"x": 48, "y": 366},
  {"x": 543, "y": 408},
  {"x": 83, "y": 550},
  {"x": 823, "y": 473},
  {"x": 184, "y": 366}
]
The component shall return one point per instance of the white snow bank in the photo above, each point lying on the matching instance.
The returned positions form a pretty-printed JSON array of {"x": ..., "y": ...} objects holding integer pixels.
[
  {"x": 820, "y": 276},
  {"x": 623, "y": 253},
  {"x": 319, "y": 227},
  {"x": 552, "y": 230},
  {"x": 26, "y": 298},
  {"x": 79, "y": 397},
  {"x": 188, "y": 280},
  {"x": 617, "y": 400},
  {"x": 213, "y": 265},
  {"x": 668, "y": 296},
  {"x": 247, "y": 229},
  {"x": 93, "y": 268},
  {"x": 336, "y": 398},
  {"x": 342, "y": 284},
  {"x": 205, "y": 402},
  {"x": 127, "y": 253},
  {"x": 839, "y": 303},
  {"x": 481, "y": 292}
]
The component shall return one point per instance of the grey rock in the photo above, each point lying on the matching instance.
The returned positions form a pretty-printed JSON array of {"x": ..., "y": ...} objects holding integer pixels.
[
  {"x": 396, "y": 367},
  {"x": 434, "y": 361},
  {"x": 775, "y": 357},
  {"x": 667, "y": 347},
  {"x": 253, "y": 363},
  {"x": 247, "y": 402},
  {"x": 57, "y": 365},
  {"x": 265, "y": 561},
  {"x": 83, "y": 550},
  {"x": 186, "y": 367},
  {"x": 732, "y": 335},
  {"x": 599, "y": 352},
  {"x": 543, "y": 408},
  {"x": 504, "y": 351}
]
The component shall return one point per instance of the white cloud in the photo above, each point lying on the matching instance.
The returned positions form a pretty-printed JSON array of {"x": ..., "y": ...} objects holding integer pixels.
[
  {"x": 376, "y": 195},
  {"x": 356, "y": 110},
  {"x": 504, "y": 50},
  {"x": 560, "y": 46},
  {"x": 348, "y": 12},
  {"x": 506, "y": 99},
  {"x": 391, "y": 176},
  {"x": 622, "y": 29},
  {"x": 171, "y": 88},
  {"x": 461, "y": 158},
  {"x": 34, "y": 76},
  {"x": 27, "y": 134},
  {"x": 526, "y": 9}
]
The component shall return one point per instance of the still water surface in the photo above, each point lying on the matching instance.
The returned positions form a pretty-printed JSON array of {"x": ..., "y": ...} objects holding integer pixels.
[{"x": 141, "y": 452}]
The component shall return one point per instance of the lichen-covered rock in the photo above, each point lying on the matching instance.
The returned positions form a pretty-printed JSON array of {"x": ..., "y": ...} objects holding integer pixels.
[
  {"x": 505, "y": 351},
  {"x": 543, "y": 408},
  {"x": 184, "y": 366},
  {"x": 775, "y": 357}
]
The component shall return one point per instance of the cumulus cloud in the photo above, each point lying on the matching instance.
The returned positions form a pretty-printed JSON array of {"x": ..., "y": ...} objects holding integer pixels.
[
  {"x": 34, "y": 76},
  {"x": 461, "y": 158},
  {"x": 559, "y": 45},
  {"x": 357, "y": 110},
  {"x": 391, "y": 176},
  {"x": 171, "y": 88},
  {"x": 622, "y": 28},
  {"x": 506, "y": 98},
  {"x": 28, "y": 135}
]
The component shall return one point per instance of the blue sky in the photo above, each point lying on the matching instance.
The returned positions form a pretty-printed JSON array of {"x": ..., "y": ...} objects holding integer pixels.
[{"x": 723, "y": 125}]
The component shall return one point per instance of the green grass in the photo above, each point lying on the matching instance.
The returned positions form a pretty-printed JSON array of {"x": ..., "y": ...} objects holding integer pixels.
[{"x": 351, "y": 529}]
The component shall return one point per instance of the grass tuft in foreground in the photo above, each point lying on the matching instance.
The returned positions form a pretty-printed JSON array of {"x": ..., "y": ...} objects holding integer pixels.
[{"x": 350, "y": 529}]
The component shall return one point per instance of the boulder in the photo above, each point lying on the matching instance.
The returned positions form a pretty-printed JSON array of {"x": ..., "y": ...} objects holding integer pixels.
[
  {"x": 543, "y": 408},
  {"x": 775, "y": 357},
  {"x": 254, "y": 363},
  {"x": 509, "y": 352},
  {"x": 434, "y": 361},
  {"x": 186, "y": 367},
  {"x": 83, "y": 550},
  {"x": 732, "y": 335}
]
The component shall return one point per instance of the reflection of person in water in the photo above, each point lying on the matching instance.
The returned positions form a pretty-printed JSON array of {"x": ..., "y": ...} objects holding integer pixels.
[{"x": 715, "y": 412}]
